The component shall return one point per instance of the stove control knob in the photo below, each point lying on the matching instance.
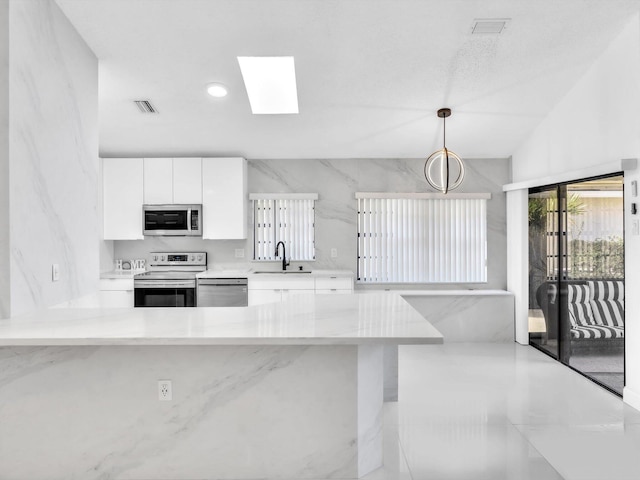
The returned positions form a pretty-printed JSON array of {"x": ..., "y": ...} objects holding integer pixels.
[
  {"x": 193, "y": 258},
  {"x": 155, "y": 258},
  {"x": 162, "y": 258},
  {"x": 199, "y": 258}
]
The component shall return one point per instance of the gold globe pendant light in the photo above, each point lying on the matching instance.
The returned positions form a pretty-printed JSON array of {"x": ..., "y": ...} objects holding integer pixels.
[{"x": 443, "y": 165}]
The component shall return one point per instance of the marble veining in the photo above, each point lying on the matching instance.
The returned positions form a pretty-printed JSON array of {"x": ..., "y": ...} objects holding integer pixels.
[
  {"x": 244, "y": 412},
  {"x": 53, "y": 140},
  {"x": 469, "y": 318}
]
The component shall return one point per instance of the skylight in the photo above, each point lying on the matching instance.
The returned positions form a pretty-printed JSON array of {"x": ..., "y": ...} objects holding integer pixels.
[{"x": 270, "y": 84}]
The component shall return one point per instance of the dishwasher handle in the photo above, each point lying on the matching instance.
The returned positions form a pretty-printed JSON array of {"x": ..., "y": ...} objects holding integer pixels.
[{"x": 222, "y": 281}]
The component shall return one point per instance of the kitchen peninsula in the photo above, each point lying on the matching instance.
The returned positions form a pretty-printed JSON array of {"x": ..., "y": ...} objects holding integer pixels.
[{"x": 281, "y": 390}]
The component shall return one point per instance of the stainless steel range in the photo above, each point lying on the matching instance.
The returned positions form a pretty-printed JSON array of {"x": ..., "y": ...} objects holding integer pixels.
[{"x": 170, "y": 280}]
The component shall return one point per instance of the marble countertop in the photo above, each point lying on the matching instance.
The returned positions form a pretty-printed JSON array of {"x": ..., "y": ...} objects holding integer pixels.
[
  {"x": 303, "y": 320},
  {"x": 251, "y": 272},
  {"x": 440, "y": 293},
  {"x": 237, "y": 273}
]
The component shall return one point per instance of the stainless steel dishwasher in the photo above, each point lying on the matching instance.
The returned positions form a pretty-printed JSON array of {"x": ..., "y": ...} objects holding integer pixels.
[{"x": 222, "y": 292}]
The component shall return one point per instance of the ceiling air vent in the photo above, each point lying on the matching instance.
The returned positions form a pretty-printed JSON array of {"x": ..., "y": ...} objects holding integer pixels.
[
  {"x": 145, "y": 106},
  {"x": 493, "y": 26}
]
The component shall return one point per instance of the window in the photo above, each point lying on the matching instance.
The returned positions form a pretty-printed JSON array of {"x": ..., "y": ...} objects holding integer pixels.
[
  {"x": 422, "y": 238},
  {"x": 289, "y": 218}
]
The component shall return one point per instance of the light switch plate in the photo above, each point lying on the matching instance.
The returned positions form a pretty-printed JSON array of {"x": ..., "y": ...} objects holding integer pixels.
[
  {"x": 334, "y": 253},
  {"x": 55, "y": 272},
  {"x": 239, "y": 252}
]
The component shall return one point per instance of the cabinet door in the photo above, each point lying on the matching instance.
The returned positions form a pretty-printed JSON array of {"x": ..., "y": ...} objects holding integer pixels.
[
  {"x": 158, "y": 180},
  {"x": 289, "y": 293},
  {"x": 260, "y": 297},
  {"x": 187, "y": 180},
  {"x": 117, "y": 299},
  {"x": 334, "y": 283},
  {"x": 122, "y": 198},
  {"x": 224, "y": 198}
]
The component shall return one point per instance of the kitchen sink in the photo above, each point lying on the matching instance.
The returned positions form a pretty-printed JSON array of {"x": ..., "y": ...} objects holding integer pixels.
[{"x": 285, "y": 272}]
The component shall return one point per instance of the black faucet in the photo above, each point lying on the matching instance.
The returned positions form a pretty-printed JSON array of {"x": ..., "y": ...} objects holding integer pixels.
[{"x": 284, "y": 254}]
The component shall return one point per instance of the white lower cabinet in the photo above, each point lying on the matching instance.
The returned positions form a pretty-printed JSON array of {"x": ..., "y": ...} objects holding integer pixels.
[
  {"x": 116, "y": 292},
  {"x": 277, "y": 288},
  {"x": 280, "y": 287},
  {"x": 260, "y": 297},
  {"x": 334, "y": 284}
]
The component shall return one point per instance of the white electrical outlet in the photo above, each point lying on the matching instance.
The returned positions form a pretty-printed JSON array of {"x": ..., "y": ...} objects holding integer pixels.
[
  {"x": 334, "y": 253},
  {"x": 239, "y": 252},
  {"x": 55, "y": 272},
  {"x": 165, "y": 392}
]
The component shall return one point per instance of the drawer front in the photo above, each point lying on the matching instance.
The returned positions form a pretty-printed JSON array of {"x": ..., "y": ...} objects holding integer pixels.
[
  {"x": 281, "y": 283},
  {"x": 334, "y": 291},
  {"x": 331, "y": 283},
  {"x": 107, "y": 284}
]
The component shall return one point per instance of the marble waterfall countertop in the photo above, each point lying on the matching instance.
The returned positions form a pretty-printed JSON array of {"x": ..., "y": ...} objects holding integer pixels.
[{"x": 303, "y": 320}]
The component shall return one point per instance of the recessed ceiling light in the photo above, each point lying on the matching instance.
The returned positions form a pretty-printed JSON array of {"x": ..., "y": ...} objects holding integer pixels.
[
  {"x": 270, "y": 84},
  {"x": 217, "y": 90}
]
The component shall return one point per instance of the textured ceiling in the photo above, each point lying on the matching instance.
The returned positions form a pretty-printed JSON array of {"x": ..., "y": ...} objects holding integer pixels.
[{"x": 371, "y": 74}]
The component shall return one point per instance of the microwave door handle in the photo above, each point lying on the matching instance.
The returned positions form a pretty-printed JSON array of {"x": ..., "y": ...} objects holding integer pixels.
[{"x": 189, "y": 220}]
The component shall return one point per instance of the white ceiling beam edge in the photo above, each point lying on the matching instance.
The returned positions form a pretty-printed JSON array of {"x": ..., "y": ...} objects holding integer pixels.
[{"x": 623, "y": 165}]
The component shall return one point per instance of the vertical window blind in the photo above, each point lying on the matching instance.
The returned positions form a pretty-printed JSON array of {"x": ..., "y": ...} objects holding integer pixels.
[
  {"x": 422, "y": 238},
  {"x": 289, "y": 218}
]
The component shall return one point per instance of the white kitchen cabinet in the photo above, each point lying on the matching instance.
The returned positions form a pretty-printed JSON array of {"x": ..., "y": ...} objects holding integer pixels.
[
  {"x": 334, "y": 283},
  {"x": 187, "y": 180},
  {"x": 224, "y": 198},
  {"x": 260, "y": 297},
  {"x": 158, "y": 180},
  {"x": 173, "y": 180},
  {"x": 116, "y": 292},
  {"x": 277, "y": 287},
  {"x": 122, "y": 190}
]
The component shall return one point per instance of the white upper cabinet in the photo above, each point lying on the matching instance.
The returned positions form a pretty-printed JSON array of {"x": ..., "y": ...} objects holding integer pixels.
[
  {"x": 172, "y": 180},
  {"x": 158, "y": 180},
  {"x": 224, "y": 198},
  {"x": 187, "y": 180},
  {"x": 122, "y": 198}
]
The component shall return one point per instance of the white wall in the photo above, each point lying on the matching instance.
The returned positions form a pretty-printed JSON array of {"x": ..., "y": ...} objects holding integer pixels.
[
  {"x": 53, "y": 145},
  {"x": 518, "y": 261},
  {"x": 5, "y": 291},
  {"x": 596, "y": 123}
]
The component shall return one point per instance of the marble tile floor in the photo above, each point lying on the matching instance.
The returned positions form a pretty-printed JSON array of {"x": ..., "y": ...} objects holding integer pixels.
[{"x": 503, "y": 411}]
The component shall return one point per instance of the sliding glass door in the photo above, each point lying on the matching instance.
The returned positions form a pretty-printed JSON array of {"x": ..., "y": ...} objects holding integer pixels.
[
  {"x": 576, "y": 276},
  {"x": 544, "y": 265}
]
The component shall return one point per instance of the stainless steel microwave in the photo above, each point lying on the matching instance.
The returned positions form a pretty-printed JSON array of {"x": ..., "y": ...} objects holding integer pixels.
[{"x": 174, "y": 220}]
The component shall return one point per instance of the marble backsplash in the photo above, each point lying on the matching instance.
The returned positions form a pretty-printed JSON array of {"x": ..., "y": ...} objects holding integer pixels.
[
  {"x": 53, "y": 143},
  {"x": 336, "y": 182}
]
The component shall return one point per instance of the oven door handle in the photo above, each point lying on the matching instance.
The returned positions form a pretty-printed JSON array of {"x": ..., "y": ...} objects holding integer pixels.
[{"x": 164, "y": 284}]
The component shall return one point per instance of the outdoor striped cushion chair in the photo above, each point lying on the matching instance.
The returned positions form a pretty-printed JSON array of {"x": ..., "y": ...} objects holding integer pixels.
[{"x": 596, "y": 309}]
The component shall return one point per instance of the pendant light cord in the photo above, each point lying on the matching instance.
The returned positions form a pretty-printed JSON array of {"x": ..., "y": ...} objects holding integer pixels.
[{"x": 444, "y": 132}]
